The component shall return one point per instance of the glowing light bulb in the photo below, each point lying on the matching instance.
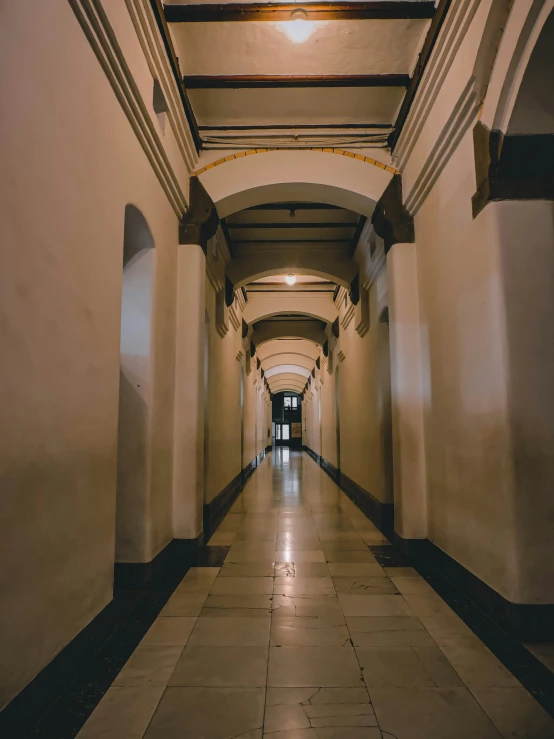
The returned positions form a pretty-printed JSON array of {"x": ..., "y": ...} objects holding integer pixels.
[
  {"x": 290, "y": 279},
  {"x": 299, "y": 28}
]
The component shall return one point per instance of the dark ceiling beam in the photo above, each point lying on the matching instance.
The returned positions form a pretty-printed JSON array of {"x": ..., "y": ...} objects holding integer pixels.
[
  {"x": 274, "y": 81},
  {"x": 379, "y": 10},
  {"x": 428, "y": 46},
  {"x": 291, "y": 224},
  {"x": 294, "y": 206}
]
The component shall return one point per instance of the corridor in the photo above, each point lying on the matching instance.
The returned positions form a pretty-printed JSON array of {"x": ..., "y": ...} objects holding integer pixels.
[{"x": 302, "y": 634}]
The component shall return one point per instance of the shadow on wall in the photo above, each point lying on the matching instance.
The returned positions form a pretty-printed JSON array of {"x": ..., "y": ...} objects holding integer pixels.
[{"x": 134, "y": 393}]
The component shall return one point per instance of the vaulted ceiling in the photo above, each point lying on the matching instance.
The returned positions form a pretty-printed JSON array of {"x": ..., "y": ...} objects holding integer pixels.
[{"x": 299, "y": 74}]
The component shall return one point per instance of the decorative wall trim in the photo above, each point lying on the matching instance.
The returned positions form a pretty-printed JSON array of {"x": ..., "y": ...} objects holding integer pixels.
[
  {"x": 459, "y": 122},
  {"x": 451, "y": 36},
  {"x": 152, "y": 44},
  {"x": 95, "y": 24},
  {"x": 250, "y": 152},
  {"x": 522, "y": 621}
]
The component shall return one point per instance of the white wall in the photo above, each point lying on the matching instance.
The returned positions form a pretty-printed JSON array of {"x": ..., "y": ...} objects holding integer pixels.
[{"x": 70, "y": 165}]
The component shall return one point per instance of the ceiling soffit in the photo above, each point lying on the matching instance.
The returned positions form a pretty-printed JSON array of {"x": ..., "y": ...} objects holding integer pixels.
[{"x": 248, "y": 84}]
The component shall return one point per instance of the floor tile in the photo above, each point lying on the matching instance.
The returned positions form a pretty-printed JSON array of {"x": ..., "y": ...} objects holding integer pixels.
[
  {"x": 431, "y": 713},
  {"x": 122, "y": 712},
  {"x": 450, "y": 631},
  {"x": 242, "y": 586},
  {"x": 230, "y": 632},
  {"x": 515, "y": 713},
  {"x": 401, "y": 572},
  {"x": 392, "y": 667},
  {"x": 412, "y": 585},
  {"x": 374, "y": 605},
  {"x": 250, "y": 569},
  {"x": 169, "y": 632},
  {"x": 182, "y": 605},
  {"x": 149, "y": 666},
  {"x": 311, "y": 569},
  {"x": 208, "y": 713},
  {"x": 221, "y": 667},
  {"x": 355, "y": 569},
  {"x": 238, "y": 601},
  {"x": 250, "y": 556},
  {"x": 235, "y": 613},
  {"x": 289, "y": 555},
  {"x": 308, "y": 632},
  {"x": 429, "y": 604},
  {"x": 303, "y": 586},
  {"x": 285, "y": 717},
  {"x": 478, "y": 667},
  {"x": 364, "y": 585},
  {"x": 316, "y": 696},
  {"x": 313, "y": 666}
]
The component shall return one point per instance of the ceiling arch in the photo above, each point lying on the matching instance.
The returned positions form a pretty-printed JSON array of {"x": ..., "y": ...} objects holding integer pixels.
[
  {"x": 296, "y": 346},
  {"x": 260, "y": 306},
  {"x": 321, "y": 262},
  {"x": 299, "y": 360},
  {"x": 310, "y": 330},
  {"x": 312, "y": 176},
  {"x": 294, "y": 368}
]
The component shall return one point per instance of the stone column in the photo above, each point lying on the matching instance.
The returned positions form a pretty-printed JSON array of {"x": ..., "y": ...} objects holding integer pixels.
[
  {"x": 410, "y": 503},
  {"x": 199, "y": 224}
]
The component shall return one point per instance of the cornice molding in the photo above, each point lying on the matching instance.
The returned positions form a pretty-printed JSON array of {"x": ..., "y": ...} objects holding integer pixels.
[
  {"x": 94, "y": 22},
  {"x": 452, "y": 34},
  {"x": 154, "y": 52}
]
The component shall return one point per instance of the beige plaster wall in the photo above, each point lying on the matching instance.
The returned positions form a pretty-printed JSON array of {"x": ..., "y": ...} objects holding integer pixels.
[
  {"x": 68, "y": 170},
  {"x": 365, "y": 401},
  {"x": 468, "y": 445},
  {"x": 225, "y": 404}
]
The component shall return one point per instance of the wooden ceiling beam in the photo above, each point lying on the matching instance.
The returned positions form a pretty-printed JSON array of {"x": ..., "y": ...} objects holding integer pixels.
[
  {"x": 232, "y": 12},
  {"x": 259, "y": 81}
]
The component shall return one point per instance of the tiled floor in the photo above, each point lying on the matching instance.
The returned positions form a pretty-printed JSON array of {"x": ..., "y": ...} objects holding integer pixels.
[{"x": 303, "y": 635}]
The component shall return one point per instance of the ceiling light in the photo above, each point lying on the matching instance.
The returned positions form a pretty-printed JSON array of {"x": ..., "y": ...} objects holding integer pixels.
[
  {"x": 290, "y": 279},
  {"x": 299, "y": 28}
]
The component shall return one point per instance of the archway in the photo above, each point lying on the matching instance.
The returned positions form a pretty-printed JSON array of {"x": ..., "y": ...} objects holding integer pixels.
[{"x": 132, "y": 508}]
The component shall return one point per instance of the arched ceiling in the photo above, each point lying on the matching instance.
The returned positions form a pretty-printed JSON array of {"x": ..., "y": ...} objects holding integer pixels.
[
  {"x": 297, "y": 346},
  {"x": 298, "y": 360},
  {"x": 293, "y": 368},
  {"x": 287, "y": 327}
]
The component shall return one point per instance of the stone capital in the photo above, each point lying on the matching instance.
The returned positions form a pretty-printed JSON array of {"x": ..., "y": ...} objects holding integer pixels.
[{"x": 391, "y": 219}]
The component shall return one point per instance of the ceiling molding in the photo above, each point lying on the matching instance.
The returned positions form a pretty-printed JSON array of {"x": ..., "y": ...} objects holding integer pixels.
[
  {"x": 278, "y": 81},
  {"x": 424, "y": 56},
  {"x": 330, "y": 150},
  {"x": 242, "y": 12}
]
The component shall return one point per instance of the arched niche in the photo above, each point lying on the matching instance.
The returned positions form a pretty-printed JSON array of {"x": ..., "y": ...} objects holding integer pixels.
[{"x": 132, "y": 507}]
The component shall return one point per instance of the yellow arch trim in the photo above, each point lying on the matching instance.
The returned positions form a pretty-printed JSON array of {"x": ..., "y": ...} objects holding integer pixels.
[{"x": 340, "y": 152}]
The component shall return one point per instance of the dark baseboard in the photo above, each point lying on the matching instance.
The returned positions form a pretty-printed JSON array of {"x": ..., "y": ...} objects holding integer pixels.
[
  {"x": 63, "y": 694},
  {"x": 314, "y": 455},
  {"x": 523, "y": 622},
  {"x": 381, "y": 514},
  {"x": 179, "y": 552},
  {"x": 331, "y": 470},
  {"x": 268, "y": 448},
  {"x": 216, "y": 510}
]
